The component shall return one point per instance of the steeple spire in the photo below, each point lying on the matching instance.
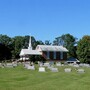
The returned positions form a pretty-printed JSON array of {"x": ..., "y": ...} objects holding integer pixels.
[{"x": 30, "y": 45}]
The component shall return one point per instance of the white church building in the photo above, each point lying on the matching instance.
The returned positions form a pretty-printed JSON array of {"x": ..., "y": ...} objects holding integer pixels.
[{"x": 49, "y": 52}]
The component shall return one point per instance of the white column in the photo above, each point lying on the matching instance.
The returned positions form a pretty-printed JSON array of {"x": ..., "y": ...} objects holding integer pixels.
[
  {"x": 61, "y": 55},
  {"x": 54, "y": 55},
  {"x": 48, "y": 55}
]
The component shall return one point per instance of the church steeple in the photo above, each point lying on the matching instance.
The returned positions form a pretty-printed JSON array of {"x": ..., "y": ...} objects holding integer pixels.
[{"x": 30, "y": 45}]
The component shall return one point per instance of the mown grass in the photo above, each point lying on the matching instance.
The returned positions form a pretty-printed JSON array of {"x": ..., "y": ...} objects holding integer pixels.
[{"x": 20, "y": 78}]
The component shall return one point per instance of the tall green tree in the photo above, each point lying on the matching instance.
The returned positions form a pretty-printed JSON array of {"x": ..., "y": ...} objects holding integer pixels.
[
  {"x": 5, "y": 47},
  {"x": 5, "y": 52},
  {"x": 67, "y": 41},
  {"x": 18, "y": 44},
  {"x": 4, "y": 39},
  {"x": 83, "y": 49}
]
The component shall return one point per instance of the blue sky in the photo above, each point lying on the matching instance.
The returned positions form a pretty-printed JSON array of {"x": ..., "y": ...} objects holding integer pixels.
[{"x": 45, "y": 19}]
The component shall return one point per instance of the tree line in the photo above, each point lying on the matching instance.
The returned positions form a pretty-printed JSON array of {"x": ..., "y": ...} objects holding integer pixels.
[{"x": 10, "y": 47}]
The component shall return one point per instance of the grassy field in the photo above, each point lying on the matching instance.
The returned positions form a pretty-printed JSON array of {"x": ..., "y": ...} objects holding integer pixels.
[{"x": 20, "y": 78}]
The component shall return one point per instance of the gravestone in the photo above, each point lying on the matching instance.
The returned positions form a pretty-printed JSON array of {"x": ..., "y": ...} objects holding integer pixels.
[
  {"x": 31, "y": 67},
  {"x": 58, "y": 64},
  {"x": 40, "y": 64},
  {"x": 67, "y": 69},
  {"x": 14, "y": 64},
  {"x": 46, "y": 64},
  {"x": 54, "y": 69},
  {"x": 0, "y": 64},
  {"x": 87, "y": 65},
  {"x": 80, "y": 71},
  {"x": 76, "y": 65},
  {"x": 10, "y": 65},
  {"x": 41, "y": 69}
]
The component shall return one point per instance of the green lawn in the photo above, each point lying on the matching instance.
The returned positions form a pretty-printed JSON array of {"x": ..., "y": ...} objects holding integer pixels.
[{"x": 20, "y": 78}]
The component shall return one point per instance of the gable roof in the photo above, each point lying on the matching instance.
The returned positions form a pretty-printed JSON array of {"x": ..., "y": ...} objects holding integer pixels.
[
  {"x": 29, "y": 52},
  {"x": 51, "y": 48}
]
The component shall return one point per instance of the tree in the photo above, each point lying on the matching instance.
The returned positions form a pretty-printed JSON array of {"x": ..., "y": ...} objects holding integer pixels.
[
  {"x": 33, "y": 41},
  {"x": 18, "y": 44},
  {"x": 39, "y": 43},
  {"x": 83, "y": 49},
  {"x": 6, "y": 44},
  {"x": 67, "y": 41},
  {"x": 47, "y": 42},
  {"x": 5, "y": 52},
  {"x": 4, "y": 39},
  {"x": 58, "y": 41}
]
